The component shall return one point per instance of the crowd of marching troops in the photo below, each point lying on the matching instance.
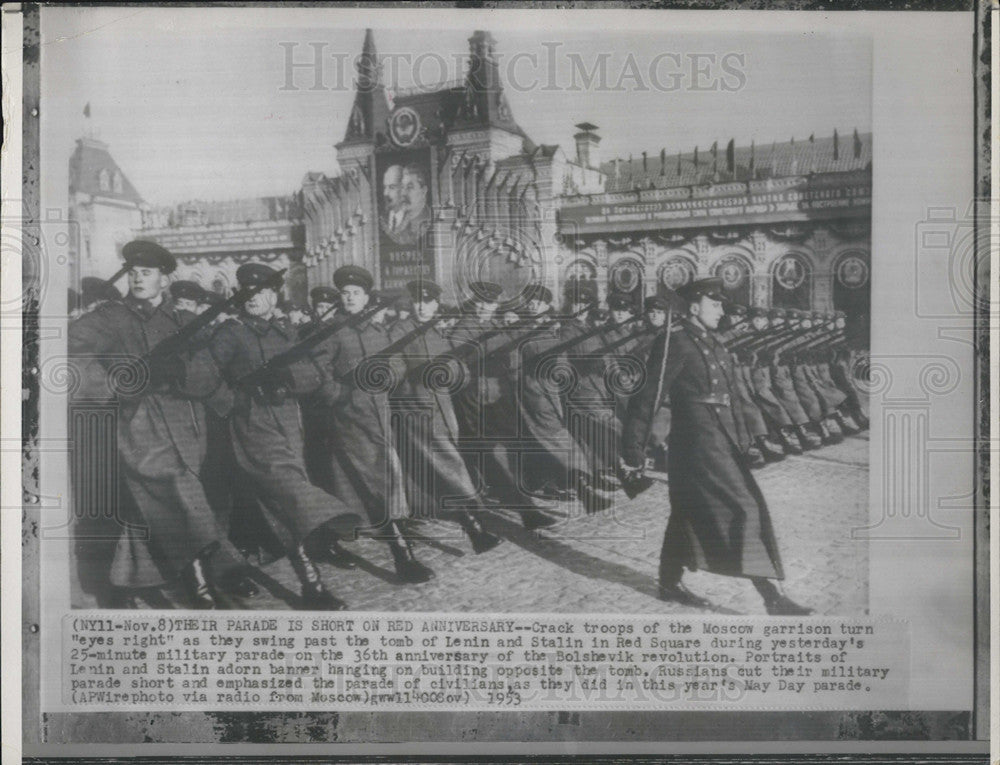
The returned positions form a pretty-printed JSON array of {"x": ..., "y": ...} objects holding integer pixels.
[{"x": 262, "y": 428}]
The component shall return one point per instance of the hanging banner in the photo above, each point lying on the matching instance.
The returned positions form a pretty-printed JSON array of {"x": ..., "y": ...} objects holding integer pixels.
[{"x": 405, "y": 217}]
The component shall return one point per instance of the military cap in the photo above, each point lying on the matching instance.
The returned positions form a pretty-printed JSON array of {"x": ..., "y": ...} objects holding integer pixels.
[
  {"x": 423, "y": 290},
  {"x": 538, "y": 292},
  {"x": 757, "y": 312},
  {"x": 698, "y": 288},
  {"x": 777, "y": 313},
  {"x": 93, "y": 289},
  {"x": 620, "y": 302},
  {"x": 186, "y": 289},
  {"x": 210, "y": 297},
  {"x": 657, "y": 303},
  {"x": 486, "y": 292},
  {"x": 252, "y": 274},
  {"x": 323, "y": 294},
  {"x": 353, "y": 275},
  {"x": 736, "y": 309},
  {"x": 140, "y": 252},
  {"x": 580, "y": 291}
]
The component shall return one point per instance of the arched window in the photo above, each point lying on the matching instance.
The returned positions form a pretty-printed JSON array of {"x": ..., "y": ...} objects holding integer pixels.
[
  {"x": 791, "y": 283},
  {"x": 852, "y": 292},
  {"x": 625, "y": 278},
  {"x": 104, "y": 180},
  {"x": 580, "y": 269},
  {"x": 735, "y": 274},
  {"x": 674, "y": 273}
]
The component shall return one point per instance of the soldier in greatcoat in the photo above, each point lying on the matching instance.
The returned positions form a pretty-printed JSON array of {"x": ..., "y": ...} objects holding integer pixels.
[
  {"x": 266, "y": 431},
  {"x": 555, "y": 469},
  {"x": 590, "y": 410},
  {"x": 719, "y": 520},
  {"x": 161, "y": 432},
  {"x": 356, "y": 411},
  {"x": 438, "y": 483},
  {"x": 486, "y": 408}
]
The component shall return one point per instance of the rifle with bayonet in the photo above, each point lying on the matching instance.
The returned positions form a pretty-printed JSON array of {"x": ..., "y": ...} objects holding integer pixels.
[
  {"x": 160, "y": 359},
  {"x": 267, "y": 371},
  {"x": 392, "y": 348}
]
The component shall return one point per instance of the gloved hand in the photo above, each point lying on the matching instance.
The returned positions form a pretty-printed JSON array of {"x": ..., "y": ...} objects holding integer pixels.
[
  {"x": 633, "y": 479},
  {"x": 274, "y": 386}
]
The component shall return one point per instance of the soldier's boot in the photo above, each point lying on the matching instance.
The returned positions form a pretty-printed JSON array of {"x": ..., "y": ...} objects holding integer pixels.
[
  {"x": 481, "y": 539},
  {"x": 776, "y": 602},
  {"x": 240, "y": 584},
  {"x": 808, "y": 439},
  {"x": 754, "y": 458},
  {"x": 329, "y": 550},
  {"x": 197, "y": 586},
  {"x": 532, "y": 520},
  {"x": 673, "y": 591},
  {"x": 408, "y": 568},
  {"x": 772, "y": 451},
  {"x": 315, "y": 596},
  {"x": 593, "y": 499},
  {"x": 830, "y": 435},
  {"x": 846, "y": 423},
  {"x": 789, "y": 441}
]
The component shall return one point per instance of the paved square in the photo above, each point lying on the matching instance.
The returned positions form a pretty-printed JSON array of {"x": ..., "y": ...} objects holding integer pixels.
[{"x": 607, "y": 563}]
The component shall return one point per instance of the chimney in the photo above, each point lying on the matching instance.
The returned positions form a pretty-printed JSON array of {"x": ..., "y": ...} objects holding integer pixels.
[{"x": 587, "y": 141}]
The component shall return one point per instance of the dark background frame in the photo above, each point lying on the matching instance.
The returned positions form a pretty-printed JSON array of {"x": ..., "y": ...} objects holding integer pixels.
[{"x": 748, "y": 730}]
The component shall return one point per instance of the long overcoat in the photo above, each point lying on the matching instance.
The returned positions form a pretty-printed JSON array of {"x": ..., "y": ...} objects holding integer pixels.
[
  {"x": 426, "y": 427},
  {"x": 354, "y": 396},
  {"x": 590, "y": 406},
  {"x": 719, "y": 520},
  {"x": 161, "y": 437},
  {"x": 267, "y": 433},
  {"x": 540, "y": 407}
]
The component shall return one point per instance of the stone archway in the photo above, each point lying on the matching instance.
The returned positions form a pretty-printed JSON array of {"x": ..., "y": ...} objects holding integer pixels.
[
  {"x": 737, "y": 282},
  {"x": 792, "y": 282},
  {"x": 625, "y": 277}
]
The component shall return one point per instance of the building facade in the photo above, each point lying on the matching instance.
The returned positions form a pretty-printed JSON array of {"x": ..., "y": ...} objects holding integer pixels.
[{"x": 444, "y": 183}]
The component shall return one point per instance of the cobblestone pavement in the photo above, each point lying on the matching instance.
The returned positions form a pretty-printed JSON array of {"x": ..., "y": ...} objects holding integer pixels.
[{"x": 607, "y": 563}]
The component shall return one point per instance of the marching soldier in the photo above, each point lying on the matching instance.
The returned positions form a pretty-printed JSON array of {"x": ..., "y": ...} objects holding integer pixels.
[
  {"x": 589, "y": 409},
  {"x": 357, "y": 417},
  {"x": 486, "y": 410},
  {"x": 266, "y": 431},
  {"x": 562, "y": 459},
  {"x": 719, "y": 520},
  {"x": 186, "y": 295},
  {"x": 654, "y": 319},
  {"x": 757, "y": 378},
  {"x": 161, "y": 433},
  {"x": 762, "y": 449},
  {"x": 435, "y": 472},
  {"x": 783, "y": 388}
]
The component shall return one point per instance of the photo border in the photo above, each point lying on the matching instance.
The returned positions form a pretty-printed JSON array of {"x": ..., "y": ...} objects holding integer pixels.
[{"x": 979, "y": 722}]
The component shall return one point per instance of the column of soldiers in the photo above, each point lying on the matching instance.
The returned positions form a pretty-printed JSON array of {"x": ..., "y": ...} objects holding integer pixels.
[{"x": 273, "y": 430}]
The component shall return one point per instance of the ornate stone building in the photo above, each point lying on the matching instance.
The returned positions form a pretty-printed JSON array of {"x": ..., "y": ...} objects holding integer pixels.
[
  {"x": 443, "y": 182},
  {"x": 104, "y": 211},
  {"x": 787, "y": 226},
  {"x": 212, "y": 239}
]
